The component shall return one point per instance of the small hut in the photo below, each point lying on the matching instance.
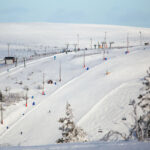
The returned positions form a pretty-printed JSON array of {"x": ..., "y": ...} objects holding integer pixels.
[{"x": 9, "y": 60}]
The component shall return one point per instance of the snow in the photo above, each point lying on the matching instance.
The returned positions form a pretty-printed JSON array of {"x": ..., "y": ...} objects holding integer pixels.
[
  {"x": 99, "y": 101},
  {"x": 27, "y": 38},
  {"x": 87, "y": 146}
]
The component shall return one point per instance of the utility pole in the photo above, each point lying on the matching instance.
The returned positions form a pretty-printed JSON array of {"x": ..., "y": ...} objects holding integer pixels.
[
  {"x": 111, "y": 44},
  {"x": 16, "y": 62},
  {"x": 24, "y": 62},
  {"x": 78, "y": 40},
  {"x": 27, "y": 89},
  {"x": 1, "y": 98},
  {"x": 67, "y": 47},
  {"x": 98, "y": 45},
  {"x": 45, "y": 50},
  {"x": 75, "y": 47},
  {"x": 84, "y": 59},
  {"x": 105, "y": 37},
  {"x": 43, "y": 93},
  {"x": 60, "y": 72},
  {"x": 140, "y": 38},
  {"x": 91, "y": 42},
  {"x": 103, "y": 45},
  {"x": 127, "y": 42},
  {"x": 8, "y": 49}
]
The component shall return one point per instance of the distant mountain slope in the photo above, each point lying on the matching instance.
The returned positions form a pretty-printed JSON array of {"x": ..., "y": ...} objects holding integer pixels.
[{"x": 55, "y": 34}]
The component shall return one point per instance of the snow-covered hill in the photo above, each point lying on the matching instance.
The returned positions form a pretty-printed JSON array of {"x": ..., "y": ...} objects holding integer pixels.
[
  {"x": 99, "y": 101},
  {"x": 31, "y": 37},
  {"x": 105, "y": 97}
]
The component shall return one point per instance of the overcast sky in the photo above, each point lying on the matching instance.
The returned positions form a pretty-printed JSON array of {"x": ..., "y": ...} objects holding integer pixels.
[{"x": 115, "y": 12}]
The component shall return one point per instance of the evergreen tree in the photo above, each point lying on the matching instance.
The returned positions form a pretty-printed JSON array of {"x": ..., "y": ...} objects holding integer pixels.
[
  {"x": 141, "y": 110},
  {"x": 141, "y": 127},
  {"x": 70, "y": 133}
]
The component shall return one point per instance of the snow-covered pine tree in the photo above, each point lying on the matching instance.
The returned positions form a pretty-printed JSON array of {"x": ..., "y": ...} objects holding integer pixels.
[
  {"x": 141, "y": 111},
  {"x": 70, "y": 133},
  {"x": 141, "y": 128}
]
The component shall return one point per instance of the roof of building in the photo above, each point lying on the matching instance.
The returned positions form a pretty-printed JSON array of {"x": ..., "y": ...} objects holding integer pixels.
[{"x": 9, "y": 58}]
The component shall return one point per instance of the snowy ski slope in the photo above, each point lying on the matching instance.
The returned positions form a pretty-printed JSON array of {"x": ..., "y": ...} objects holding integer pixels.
[
  {"x": 99, "y": 101},
  {"x": 105, "y": 97}
]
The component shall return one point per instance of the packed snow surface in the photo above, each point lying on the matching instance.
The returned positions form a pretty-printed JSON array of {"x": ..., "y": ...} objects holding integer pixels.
[
  {"x": 87, "y": 146},
  {"x": 99, "y": 101},
  {"x": 99, "y": 95}
]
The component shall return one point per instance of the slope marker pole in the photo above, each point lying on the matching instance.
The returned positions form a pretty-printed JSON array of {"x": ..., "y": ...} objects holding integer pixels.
[
  {"x": 60, "y": 71},
  {"x": 84, "y": 59},
  {"x": 43, "y": 93}
]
